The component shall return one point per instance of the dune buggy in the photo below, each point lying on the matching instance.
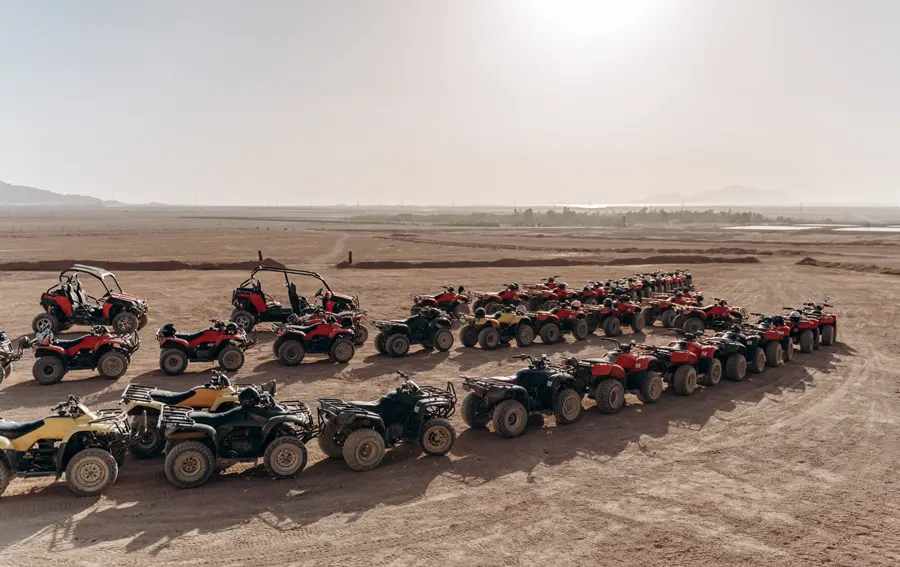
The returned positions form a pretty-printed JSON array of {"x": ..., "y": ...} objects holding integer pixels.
[
  {"x": 359, "y": 432},
  {"x": 507, "y": 401},
  {"x": 110, "y": 354},
  {"x": 67, "y": 304},
  {"x": 8, "y": 355},
  {"x": 430, "y": 328},
  {"x": 258, "y": 427},
  {"x": 222, "y": 342},
  {"x": 87, "y": 446}
]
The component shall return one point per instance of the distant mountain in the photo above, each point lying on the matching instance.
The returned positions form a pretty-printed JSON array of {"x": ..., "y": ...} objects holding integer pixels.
[
  {"x": 20, "y": 195},
  {"x": 731, "y": 195}
]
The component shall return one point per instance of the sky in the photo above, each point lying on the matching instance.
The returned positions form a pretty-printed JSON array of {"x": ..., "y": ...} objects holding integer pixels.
[{"x": 462, "y": 102}]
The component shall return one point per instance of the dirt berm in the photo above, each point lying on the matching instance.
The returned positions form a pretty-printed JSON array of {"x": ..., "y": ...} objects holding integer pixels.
[
  {"x": 519, "y": 262},
  {"x": 149, "y": 266},
  {"x": 849, "y": 266}
]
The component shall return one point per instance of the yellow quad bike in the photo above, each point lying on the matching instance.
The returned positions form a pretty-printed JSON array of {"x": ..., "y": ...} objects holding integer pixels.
[
  {"x": 504, "y": 326},
  {"x": 87, "y": 446},
  {"x": 217, "y": 395}
]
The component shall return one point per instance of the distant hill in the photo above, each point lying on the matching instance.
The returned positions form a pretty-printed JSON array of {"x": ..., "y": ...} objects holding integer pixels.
[
  {"x": 21, "y": 195},
  {"x": 731, "y": 195}
]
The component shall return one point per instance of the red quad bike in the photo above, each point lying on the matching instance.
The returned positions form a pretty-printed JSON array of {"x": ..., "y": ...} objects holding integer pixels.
[
  {"x": 827, "y": 321},
  {"x": 677, "y": 364},
  {"x": 572, "y": 320},
  {"x": 223, "y": 342},
  {"x": 109, "y": 354},
  {"x": 804, "y": 330},
  {"x": 620, "y": 370},
  {"x": 694, "y": 319},
  {"x": 547, "y": 325},
  {"x": 613, "y": 314},
  {"x": 454, "y": 302},
  {"x": 252, "y": 305},
  {"x": 774, "y": 338},
  {"x": 330, "y": 335},
  {"x": 667, "y": 309},
  {"x": 711, "y": 359},
  {"x": 360, "y": 331},
  {"x": 511, "y": 295},
  {"x": 66, "y": 304},
  {"x": 592, "y": 293}
]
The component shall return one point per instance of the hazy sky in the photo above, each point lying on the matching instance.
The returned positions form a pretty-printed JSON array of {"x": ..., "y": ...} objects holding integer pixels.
[{"x": 428, "y": 102}]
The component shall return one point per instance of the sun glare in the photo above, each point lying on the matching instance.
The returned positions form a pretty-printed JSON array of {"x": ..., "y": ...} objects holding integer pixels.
[{"x": 589, "y": 21}]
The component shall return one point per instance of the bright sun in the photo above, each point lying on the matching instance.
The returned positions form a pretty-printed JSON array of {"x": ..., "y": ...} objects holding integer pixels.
[{"x": 590, "y": 20}]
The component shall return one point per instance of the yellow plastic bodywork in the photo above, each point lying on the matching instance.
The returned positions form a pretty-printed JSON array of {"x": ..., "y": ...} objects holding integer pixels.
[
  {"x": 58, "y": 428},
  {"x": 502, "y": 318},
  {"x": 203, "y": 398}
]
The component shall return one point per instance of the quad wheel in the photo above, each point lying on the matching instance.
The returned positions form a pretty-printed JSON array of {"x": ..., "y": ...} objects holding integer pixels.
[
  {"x": 363, "y": 450},
  {"x": 5, "y": 475},
  {"x": 489, "y": 338},
  {"x": 610, "y": 396},
  {"x": 492, "y": 307},
  {"x": 45, "y": 322},
  {"x": 678, "y": 321},
  {"x": 397, "y": 345},
  {"x": 524, "y": 335},
  {"x": 568, "y": 407},
  {"x": 152, "y": 442},
  {"x": 649, "y": 319},
  {"x": 788, "y": 348},
  {"x": 48, "y": 370},
  {"x": 713, "y": 374},
  {"x": 243, "y": 319},
  {"x": 112, "y": 364},
  {"x": 612, "y": 327},
  {"x": 437, "y": 437},
  {"x": 4, "y": 372},
  {"x": 735, "y": 367},
  {"x": 651, "y": 388},
  {"x": 125, "y": 323},
  {"x": 173, "y": 361},
  {"x": 474, "y": 413},
  {"x": 460, "y": 309},
  {"x": 684, "y": 380},
  {"x": 91, "y": 471},
  {"x": 550, "y": 333},
  {"x": 468, "y": 336},
  {"x": 142, "y": 322},
  {"x": 806, "y": 341},
  {"x": 580, "y": 329},
  {"x": 442, "y": 340},
  {"x": 360, "y": 335},
  {"x": 510, "y": 418},
  {"x": 231, "y": 358},
  {"x": 189, "y": 464},
  {"x": 667, "y": 318},
  {"x": 381, "y": 343},
  {"x": 693, "y": 325},
  {"x": 291, "y": 352},
  {"x": 342, "y": 350},
  {"x": 328, "y": 444},
  {"x": 637, "y": 322},
  {"x": 828, "y": 335},
  {"x": 285, "y": 457},
  {"x": 593, "y": 324},
  {"x": 774, "y": 354},
  {"x": 758, "y": 362}
]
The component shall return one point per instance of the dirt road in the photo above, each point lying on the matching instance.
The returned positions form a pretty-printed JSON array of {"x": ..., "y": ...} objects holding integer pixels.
[{"x": 796, "y": 466}]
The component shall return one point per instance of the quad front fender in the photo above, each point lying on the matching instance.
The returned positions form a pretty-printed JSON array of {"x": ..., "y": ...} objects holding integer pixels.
[
  {"x": 274, "y": 423},
  {"x": 5, "y": 444}
]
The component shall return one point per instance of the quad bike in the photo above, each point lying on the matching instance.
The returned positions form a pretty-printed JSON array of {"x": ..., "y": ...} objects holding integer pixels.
[
  {"x": 624, "y": 369},
  {"x": 827, "y": 320},
  {"x": 8, "y": 355},
  {"x": 453, "y": 302},
  {"x": 88, "y": 447},
  {"x": 774, "y": 338},
  {"x": 509, "y": 296},
  {"x": 678, "y": 365},
  {"x": 612, "y": 315},
  {"x": 319, "y": 315},
  {"x": 224, "y": 343},
  {"x": 329, "y": 335},
  {"x": 804, "y": 330},
  {"x": 109, "y": 354},
  {"x": 667, "y": 309},
  {"x": 739, "y": 351},
  {"x": 430, "y": 328},
  {"x": 215, "y": 396},
  {"x": 571, "y": 320},
  {"x": 502, "y": 327},
  {"x": 592, "y": 293},
  {"x": 359, "y": 432},
  {"x": 694, "y": 319},
  {"x": 508, "y": 401},
  {"x": 66, "y": 304},
  {"x": 258, "y": 427},
  {"x": 252, "y": 305},
  {"x": 711, "y": 360}
]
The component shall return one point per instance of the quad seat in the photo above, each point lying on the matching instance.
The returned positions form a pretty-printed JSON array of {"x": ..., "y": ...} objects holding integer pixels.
[
  {"x": 170, "y": 398},
  {"x": 67, "y": 344},
  {"x": 215, "y": 419},
  {"x": 190, "y": 336},
  {"x": 368, "y": 406},
  {"x": 13, "y": 429}
]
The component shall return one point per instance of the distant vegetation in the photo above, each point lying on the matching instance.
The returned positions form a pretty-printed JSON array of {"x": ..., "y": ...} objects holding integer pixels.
[{"x": 572, "y": 217}]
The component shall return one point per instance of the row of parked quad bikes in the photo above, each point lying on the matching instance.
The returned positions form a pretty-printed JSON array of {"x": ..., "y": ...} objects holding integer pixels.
[{"x": 219, "y": 421}]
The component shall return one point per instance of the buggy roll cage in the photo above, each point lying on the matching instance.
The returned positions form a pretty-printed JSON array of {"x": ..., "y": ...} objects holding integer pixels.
[
  {"x": 284, "y": 271},
  {"x": 98, "y": 273}
]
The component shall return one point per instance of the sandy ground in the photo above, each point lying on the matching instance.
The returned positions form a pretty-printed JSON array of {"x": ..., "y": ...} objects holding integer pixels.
[{"x": 796, "y": 466}]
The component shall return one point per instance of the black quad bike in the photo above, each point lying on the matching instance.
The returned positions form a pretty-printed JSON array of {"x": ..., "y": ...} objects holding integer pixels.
[
  {"x": 358, "y": 432},
  {"x": 748, "y": 347},
  {"x": 542, "y": 388},
  {"x": 8, "y": 355},
  {"x": 258, "y": 427},
  {"x": 67, "y": 304},
  {"x": 430, "y": 327}
]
